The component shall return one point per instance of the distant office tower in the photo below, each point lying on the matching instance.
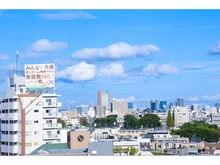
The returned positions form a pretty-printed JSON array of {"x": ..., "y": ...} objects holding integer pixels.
[
  {"x": 119, "y": 107},
  {"x": 154, "y": 105},
  {"x": 179, "y": 102},
  {"x": 100, "y": 111},
  {"x": 163, "y": 105},
  {"x": 104, "y": 99},
  {"x": 82, "y": 109},
  {"x": 170, "y": 106},
  {"x": 130, "y": 105},
  {"x": 181, "y": 115}
]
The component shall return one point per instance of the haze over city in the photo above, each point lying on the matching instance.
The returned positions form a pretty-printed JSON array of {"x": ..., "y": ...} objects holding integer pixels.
[{"x": 137, "y": 55}]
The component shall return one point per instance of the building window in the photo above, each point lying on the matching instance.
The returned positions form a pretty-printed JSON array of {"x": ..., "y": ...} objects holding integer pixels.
[
  {"x": 28, "y": 133},
  {"x": 36, "y": 110},
  {"x": 28, "y": 122},
  {"x": 36, "y": 143},
  {"x": 36, "y": 132},
  {"x": 35, "y": 121},
  {"x": 28, "y": 144}
]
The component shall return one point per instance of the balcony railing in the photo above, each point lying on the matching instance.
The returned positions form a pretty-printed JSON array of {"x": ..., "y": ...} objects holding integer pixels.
[
  {"x": 50, "y": 115},
  {"x": 50, "y": 125},
  {"x": 52, "y": 136}
]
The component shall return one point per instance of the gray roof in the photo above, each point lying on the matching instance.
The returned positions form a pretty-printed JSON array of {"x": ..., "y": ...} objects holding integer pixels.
[{"x": 101, "y": 148}]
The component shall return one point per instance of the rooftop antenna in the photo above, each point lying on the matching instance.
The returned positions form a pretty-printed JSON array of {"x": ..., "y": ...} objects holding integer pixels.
[{"x": 17, "y": 56}]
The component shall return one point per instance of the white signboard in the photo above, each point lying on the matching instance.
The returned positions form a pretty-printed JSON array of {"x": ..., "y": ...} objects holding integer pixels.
[{"x": 39, "y": 75}]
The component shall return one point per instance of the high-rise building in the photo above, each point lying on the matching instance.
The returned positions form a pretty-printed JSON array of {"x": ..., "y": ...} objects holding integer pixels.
[
  {"x": 163, "y": 105},
  {"x": 179, "y": 102},
  {"x": 104, "y": 99},
  {"x": 154, "y": 105},
  {"x": 181, "y": 115},
  {"x": 100, "y": 111},
  {"x": 29, "y": 111},
  {"x": 82, "y": 109},
  {"x": 119, "y": 107}
]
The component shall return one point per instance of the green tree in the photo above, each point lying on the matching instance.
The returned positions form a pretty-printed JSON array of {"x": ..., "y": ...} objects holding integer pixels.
[
  {"x": 130, "y": 121},
  {"x": 199, "y": 129},
  {"x": 169, "y": 120},
  {"x": 110, "y": 120},
  {"x": 100, "y": 122},
  {"x": 85, "y": 123},
  {"x": 149, "y": 120},
  {"x": 59, "y": 120}
]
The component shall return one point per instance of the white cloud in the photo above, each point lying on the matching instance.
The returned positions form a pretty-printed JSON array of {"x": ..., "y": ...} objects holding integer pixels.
[
  {"x": 116, "y": 51},
  {"x": 113, "y": 69},
  {"x": 4, "y": 57},
  {"x": 156, "y": 70},
  {"x": 38, "y": 48},
  {"x": 131, "y": 99},
  {"x": 167, "y": 69},
  {"x": 194, "y": 98},
  {"x": 79, "y": 72},
  {"x": 67, "y": 15},
  {"x": 44, "y": 45},
  {"x": 215, "y": 49},
  {"x": 212, "y": 97}
]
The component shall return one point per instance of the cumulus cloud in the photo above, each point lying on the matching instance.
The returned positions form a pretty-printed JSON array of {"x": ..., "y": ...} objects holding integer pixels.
[
  {"x": 44, "y": 45},
  {"x": 38, "y": 48},
  {"x": 78, "y": 72},
  {"x": 113, "y": 69},
  {"x": 4, "y": 57},
  {"x": 116, "y": 51},
  {"x": 215, "y": 49},
  {"x": 67, "y": 15},
  {"x": 156, "y": 70}
]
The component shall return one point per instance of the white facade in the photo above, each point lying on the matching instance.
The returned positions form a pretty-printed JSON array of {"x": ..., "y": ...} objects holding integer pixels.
[
  {"x": 63, "y": 135},
  {"x": 181, "y": 115},
  {"x": 119, "y": 107},
  {"x": 28, "y": 118},
  {"x": 91, "y": 112}
]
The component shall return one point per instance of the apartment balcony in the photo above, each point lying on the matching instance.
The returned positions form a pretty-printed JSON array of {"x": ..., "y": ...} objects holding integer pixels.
[
  {"x": 10, "y": 149},
  {"x": 50, "y": 115},
  {"x": 52, "y": 136},
  {"x": 9, "y": 138},
  {"x": 11, "y": 105},
  {"x": 9, "y": 116},
  {"x": 9, "y": 127},
  {"x": 50, "y": 126},
  {"x": 52, "y": 104}
]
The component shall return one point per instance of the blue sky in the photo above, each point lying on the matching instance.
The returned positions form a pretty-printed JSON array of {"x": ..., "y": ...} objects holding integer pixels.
[{"x": 135, "y": 54}]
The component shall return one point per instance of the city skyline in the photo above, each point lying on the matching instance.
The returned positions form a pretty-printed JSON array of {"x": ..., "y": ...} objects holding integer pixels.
[{"x": 136, "y": 55}]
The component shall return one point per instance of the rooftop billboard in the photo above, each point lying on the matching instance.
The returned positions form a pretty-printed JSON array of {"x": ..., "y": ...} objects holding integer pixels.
[{"x": 39, "y": 75}]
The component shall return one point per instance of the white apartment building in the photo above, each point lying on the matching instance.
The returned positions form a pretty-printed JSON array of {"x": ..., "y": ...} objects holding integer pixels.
[
  {"x": 181, "y": 115},
  {"x": 28, "y": 117},
  {"x": 120, "y": 107}
]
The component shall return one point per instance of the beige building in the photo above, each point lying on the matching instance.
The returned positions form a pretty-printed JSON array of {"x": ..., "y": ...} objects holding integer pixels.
[
  {"x": 181, "y": 115},
  {"x": 120, "y": 107},
  {"x": 163, "y": 117},
  {"x": 78, "y": 139}
]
